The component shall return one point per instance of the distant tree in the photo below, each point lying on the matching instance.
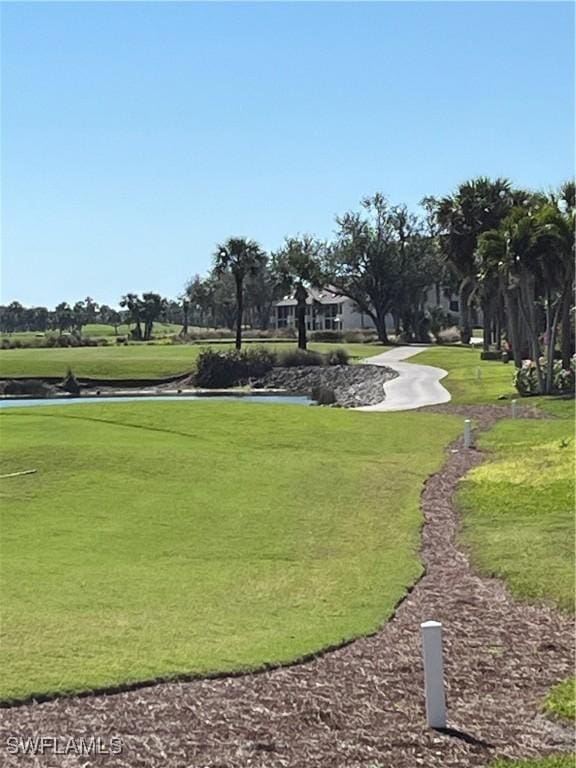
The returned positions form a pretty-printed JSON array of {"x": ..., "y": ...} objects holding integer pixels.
[
  {"x": 223, "y": 306},
  {"x": 39, "y": 319},
  {"x": 298, "y": 267},
  {"x": 109, "y": 316},
  {"x": 64, "y": 317},
  {"x": 185, "y": 301},
  {"x": 199, "y": 294},
  {"x": 152, "y": 307},
  {"x": 241, "y": 258},
  {"x": 133, "y": 305},
  {"x": 11, "y": 317},
  {"x": 262, "y": 290}
]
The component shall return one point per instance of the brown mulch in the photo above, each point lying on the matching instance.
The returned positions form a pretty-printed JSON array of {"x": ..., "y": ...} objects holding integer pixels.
[{"x": 360, "y": 706}]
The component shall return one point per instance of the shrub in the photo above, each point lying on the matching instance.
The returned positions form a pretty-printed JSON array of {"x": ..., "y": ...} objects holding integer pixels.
[
  {"x": 338, "y": 357},
  {"x": 360, "y": 337},
  {"x": 526, "y": 378},
  {"x": 448, "y": 335},
  {"x": 492, "y": 354},
  {"x": 329, "y": 336},
  {"x": 323, "y": 395},
  {"x": 440, "y": 320},
  {"x": 215, "y": 370},
  {"x": 294, "y": 358}
]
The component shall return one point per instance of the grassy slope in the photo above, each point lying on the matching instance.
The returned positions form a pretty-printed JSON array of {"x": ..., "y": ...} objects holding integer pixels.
[
  {"x": 165, "y": 538},
  {"x": 134, "y": 361},
  {"x": 519, "y": 508}
]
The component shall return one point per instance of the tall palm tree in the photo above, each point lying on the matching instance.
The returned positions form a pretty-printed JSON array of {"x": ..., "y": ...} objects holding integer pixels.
[
  {"x": 240, "y": 257},
  {"x": 297, "y": 267},
  {"x": 477, "y": 206},
  {"x": 532, "y": 251}
]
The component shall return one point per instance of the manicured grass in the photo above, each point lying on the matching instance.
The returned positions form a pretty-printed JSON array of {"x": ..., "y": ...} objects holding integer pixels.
[
  {"x": 100, "y": 330},
  {"x": 561, "y": 701},
  {"x": 557, "y": 761},
  {"x": 165, "y": 538},
  {"x": 519, "y": 508},
  {"x": 462, "y": 381},
  {"x": 472, "y": 381},
  {"x": 133, "y": 361},
  {"x": 97, "y": 331}
]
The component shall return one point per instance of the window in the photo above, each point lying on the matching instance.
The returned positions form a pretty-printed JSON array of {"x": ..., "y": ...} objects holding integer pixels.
[
  {"x": 331, "y": 322},
  {"x": 282, "y": 316},
  {"x": 454, "y": 306}
]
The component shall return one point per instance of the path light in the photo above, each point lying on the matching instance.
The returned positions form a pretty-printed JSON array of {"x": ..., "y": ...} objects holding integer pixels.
[
  {"x": 514, "y": 409},
  {"x": 467, "y": 433},
  {"x": 478, "y": 374},
  {"x": 433, "y": 674}
]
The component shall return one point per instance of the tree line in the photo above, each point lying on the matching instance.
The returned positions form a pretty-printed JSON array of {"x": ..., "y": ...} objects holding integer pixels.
[{"x": 506, "y": 251}]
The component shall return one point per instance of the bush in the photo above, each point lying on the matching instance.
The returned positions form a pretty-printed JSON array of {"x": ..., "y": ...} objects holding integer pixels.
[
  {"x": 31, "y": 387},
  {"x": 448, "y": 335},
  {"x": 219, "y": 370},
  {"x": 360, "y": 337},
  {"x": 327, "y": 336},
  {"x": 526, "y": 378},
  {"x": 440, "y": 320},
  {"x": 492, "y": 354},
  {"x": 338, "y": 357},
  {"x": 295, "y": 358},
  {"x": 323, "y": 395}
]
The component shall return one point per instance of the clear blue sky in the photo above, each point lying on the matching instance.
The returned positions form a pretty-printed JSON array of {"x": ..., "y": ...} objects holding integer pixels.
[{"x": 137, "y": 135}]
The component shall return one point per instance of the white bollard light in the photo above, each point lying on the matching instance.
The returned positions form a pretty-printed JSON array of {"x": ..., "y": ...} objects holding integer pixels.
[
  {"x": 433, "y": 674},
  {"x": 467, "y": 433},
  {"x": 514, "y": 409}
]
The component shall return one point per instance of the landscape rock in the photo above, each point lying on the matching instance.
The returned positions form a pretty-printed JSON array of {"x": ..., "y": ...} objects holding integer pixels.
[{"x": 353, "y": 385}]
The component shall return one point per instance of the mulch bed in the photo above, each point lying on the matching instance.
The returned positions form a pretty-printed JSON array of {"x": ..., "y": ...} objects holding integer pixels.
[{"x": 360, "y": 706}]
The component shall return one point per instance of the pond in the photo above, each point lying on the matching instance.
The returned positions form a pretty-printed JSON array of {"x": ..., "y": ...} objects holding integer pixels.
[{"x": 272, "y": 399}]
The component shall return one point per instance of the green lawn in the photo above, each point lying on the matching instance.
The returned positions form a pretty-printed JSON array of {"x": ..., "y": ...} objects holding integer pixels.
[
  {"x": 472, "y": 381},
  {"x": 464, "y": 382},
  {"x": 166, "y": 538},
  {"x": 519, "y": 508},
  {"x": 133, "y": 361},
  {"x": 561, "y": 701},
  {"x": 557, "y": 761}
]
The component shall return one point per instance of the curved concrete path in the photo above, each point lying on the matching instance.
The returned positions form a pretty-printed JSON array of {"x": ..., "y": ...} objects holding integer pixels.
[{"x": 415, "y": 385}]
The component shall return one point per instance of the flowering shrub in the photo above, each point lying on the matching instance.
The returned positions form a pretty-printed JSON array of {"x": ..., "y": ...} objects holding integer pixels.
[{"x": 526, "y": 378}]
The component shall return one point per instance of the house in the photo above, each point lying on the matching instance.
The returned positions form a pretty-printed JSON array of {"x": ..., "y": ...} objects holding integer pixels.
[{"x": 326, "y": 310}]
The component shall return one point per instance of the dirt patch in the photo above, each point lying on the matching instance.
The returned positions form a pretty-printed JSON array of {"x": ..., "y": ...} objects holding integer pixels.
[{"x": 360, "y": 706}]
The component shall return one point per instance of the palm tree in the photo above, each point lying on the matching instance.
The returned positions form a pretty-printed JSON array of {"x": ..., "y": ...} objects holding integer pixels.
[
  {"x": 240, "y": 257},
  {"x": 532, "y": 252},
  {"x": 477, "y": 206}
]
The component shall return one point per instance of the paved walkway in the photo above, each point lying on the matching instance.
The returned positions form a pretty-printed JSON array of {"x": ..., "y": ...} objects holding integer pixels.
[{"x": 415, "y": 385}]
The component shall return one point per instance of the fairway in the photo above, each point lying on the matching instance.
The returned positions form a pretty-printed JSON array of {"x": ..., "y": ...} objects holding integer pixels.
[
  {"x": 136, "y": 360},
  {"x": 158, "y": 539}
]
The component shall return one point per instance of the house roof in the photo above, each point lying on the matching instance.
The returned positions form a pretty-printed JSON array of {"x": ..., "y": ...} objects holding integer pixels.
[{"x": 323, "y": 296}]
